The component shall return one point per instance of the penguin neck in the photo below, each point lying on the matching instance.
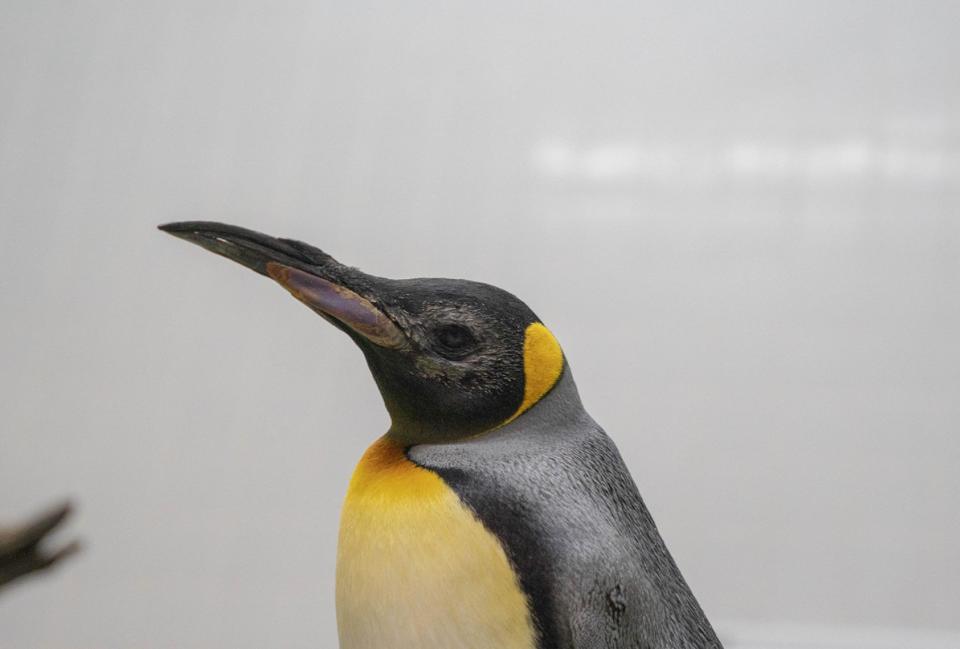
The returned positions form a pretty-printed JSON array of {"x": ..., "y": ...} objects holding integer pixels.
[{"x": 561, "y": 403}]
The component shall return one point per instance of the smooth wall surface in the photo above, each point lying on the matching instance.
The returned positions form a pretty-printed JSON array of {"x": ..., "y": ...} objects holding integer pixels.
[{"x": 741, "y": 221}]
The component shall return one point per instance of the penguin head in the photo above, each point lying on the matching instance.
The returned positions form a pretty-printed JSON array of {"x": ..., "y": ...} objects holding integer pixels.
[{"x": 452, "y": 358}]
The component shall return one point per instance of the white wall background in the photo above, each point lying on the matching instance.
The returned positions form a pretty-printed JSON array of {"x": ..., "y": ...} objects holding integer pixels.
[{"x": 741, "y": 221}]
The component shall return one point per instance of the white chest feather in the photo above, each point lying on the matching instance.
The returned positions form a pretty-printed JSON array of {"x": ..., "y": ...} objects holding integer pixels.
[{"x": 417, "y": 570}]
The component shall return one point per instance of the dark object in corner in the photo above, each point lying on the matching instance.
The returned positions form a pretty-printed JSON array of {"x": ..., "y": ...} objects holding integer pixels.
[{"x": 21, "y": 553}]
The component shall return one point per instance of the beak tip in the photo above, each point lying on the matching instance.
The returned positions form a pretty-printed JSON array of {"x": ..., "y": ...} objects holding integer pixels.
[
  {"x": 173, "y": 226},
  {"x": 178, "y": 230},
  {"x": 182, "y": 228}
]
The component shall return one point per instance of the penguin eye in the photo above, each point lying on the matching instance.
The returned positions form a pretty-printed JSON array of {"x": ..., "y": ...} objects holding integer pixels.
[{"x": 455, "y": 341}]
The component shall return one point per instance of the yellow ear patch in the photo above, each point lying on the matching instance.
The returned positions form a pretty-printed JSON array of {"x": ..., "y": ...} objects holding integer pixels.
[{"x": 542, "y": 366}]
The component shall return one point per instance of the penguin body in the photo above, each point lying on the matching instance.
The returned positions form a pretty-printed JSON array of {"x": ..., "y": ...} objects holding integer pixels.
[
  {"x": 554, "y": 490},
  {"x": 495, "y": 513}
]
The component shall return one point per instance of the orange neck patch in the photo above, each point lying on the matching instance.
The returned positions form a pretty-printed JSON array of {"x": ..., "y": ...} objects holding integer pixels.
[{"x": 385, "y": 475}]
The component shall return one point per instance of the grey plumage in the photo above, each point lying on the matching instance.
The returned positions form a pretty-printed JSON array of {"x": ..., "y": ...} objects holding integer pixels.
[{"x": 553, "y": 487}]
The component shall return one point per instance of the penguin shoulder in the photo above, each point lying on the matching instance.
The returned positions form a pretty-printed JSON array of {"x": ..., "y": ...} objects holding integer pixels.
[{"x": 558, "y": 496}]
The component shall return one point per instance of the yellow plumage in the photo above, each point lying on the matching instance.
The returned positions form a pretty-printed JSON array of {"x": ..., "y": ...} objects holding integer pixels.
[{"x": 417, "y": 570}]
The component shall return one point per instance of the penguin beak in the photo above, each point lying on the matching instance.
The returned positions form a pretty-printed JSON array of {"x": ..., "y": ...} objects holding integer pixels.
[{"x": 310, "y": 275}]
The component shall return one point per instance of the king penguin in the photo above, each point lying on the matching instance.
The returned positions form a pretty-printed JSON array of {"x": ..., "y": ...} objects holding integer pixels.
[{"x": 494, "y": 513}]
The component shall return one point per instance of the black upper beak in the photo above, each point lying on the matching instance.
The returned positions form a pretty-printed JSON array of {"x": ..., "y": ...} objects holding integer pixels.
[
  {"x": 249, "y": 248},
  {"x": 345, "y": 295}
]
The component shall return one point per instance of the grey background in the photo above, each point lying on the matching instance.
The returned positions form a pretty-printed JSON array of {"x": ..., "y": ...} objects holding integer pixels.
[{"x": 740, "y": 221}]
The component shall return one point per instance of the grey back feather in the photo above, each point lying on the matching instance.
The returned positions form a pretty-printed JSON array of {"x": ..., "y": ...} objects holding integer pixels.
[{"x": 553, "y": 488}]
